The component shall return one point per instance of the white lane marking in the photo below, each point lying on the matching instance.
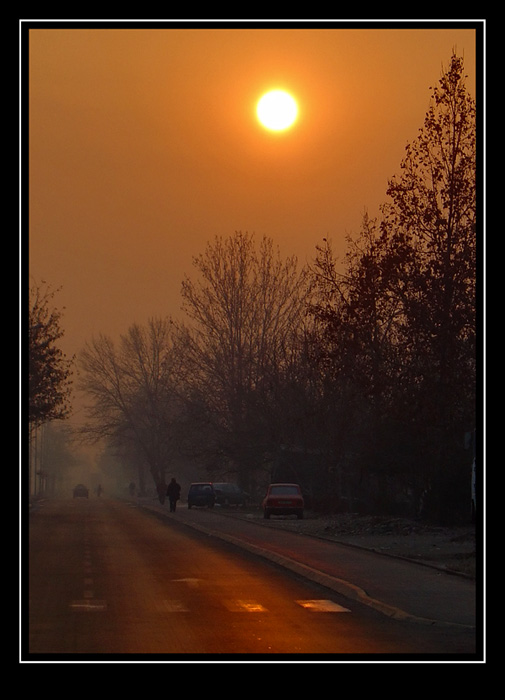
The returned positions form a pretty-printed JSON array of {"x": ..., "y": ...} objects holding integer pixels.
[
  {"x": 88, "y": 605},
  {"x": 174, "y": 606},
  {"x": 253, "y": 606},
  {"x": 244, "y": 606},
  {"x": 192, "y": 582},
  {"x": 322, "y": 606}
]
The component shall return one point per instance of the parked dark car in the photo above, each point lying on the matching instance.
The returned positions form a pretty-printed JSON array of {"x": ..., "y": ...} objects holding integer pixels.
[
  {"x": 229, "y": 494},
  {"x": 80, "y": 491},
  {"x": 201, "y": 494},
  {"x": 283, "y": 499}
]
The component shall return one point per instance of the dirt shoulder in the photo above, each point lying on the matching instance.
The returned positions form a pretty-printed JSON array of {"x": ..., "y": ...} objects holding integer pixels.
[{"x": 451, "y": 549}]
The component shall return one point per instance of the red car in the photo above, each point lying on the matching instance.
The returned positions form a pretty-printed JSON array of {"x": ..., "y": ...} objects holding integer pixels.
[{"x": 283, "y": 499}]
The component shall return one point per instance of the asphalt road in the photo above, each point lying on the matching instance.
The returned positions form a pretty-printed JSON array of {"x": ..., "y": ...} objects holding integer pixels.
[{"x": 107, "y": 580}]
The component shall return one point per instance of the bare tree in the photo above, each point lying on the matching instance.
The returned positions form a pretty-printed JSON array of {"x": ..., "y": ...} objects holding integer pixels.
[
  {"x": 246, "y": 309},
  {"x": 357, "y": 311},
  {"x": 132, "y": 392}
]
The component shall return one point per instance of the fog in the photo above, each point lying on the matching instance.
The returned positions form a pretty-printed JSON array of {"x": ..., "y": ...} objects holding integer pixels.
[{"x": 144, "y": 145}]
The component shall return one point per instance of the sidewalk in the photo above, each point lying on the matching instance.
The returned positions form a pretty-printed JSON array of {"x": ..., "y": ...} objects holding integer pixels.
[{"x": 400, "y": 589}]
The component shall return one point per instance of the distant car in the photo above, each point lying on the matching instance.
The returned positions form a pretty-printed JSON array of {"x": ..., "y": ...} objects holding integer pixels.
[
  {"x": 283, "y": 499},
  {"x": 201, "y": 494},
  {"x": 80, "y": 491},
  {"x": 229, "y": 494}
]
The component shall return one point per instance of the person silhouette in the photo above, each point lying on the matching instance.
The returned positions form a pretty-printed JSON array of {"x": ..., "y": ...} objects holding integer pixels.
[{"x": 173, "y": 493}]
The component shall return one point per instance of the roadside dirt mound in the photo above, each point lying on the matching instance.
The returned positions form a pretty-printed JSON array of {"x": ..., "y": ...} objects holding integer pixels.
[{"x": 452, "y": 549}]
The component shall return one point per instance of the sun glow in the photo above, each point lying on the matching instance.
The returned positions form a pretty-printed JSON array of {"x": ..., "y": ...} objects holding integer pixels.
[{"x": 277, "y": 110}]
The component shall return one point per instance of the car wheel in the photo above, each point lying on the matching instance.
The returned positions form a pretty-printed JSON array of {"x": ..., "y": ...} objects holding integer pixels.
[
  {"x": 300, "y": 515},
  {"x": 266, "y": 515}
]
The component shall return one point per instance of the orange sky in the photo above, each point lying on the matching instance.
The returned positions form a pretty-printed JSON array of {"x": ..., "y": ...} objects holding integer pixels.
[{"x": 143, "y": 145}]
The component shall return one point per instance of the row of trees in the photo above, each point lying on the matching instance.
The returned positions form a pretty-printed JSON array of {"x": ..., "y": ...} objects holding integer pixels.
[
  {"x": 399, "y": 323},
  {"x": 357, "y": 378},
  {"x": 208, "y": 390}
]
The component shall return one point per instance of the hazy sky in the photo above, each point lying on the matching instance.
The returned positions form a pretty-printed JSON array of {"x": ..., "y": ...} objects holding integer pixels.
[{"x": 144, "y": 144}]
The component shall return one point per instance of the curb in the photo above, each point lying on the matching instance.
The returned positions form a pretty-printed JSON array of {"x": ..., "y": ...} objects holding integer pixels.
[{"x": 418, "y": 562}]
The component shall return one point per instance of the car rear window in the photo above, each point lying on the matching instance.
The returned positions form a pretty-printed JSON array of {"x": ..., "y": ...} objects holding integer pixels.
[
  {"x": 226, "y": 487},
  {"x": 284, "y": 491}
]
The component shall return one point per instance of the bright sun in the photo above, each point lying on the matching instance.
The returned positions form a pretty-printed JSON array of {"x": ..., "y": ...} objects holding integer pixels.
[{"x": 277, "y": 110}]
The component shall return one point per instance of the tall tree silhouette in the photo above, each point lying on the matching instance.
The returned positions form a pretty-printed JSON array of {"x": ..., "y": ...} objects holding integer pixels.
[
  {"x": 49, "y": 371},
  {"x": 402, "y": 312}
]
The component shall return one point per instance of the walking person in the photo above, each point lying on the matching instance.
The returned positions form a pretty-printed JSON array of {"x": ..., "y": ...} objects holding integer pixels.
[{"x": 173, "y": 493}]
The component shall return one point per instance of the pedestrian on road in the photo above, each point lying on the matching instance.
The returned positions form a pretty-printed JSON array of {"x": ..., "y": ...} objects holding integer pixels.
[{"x": 173, "y": 493}]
